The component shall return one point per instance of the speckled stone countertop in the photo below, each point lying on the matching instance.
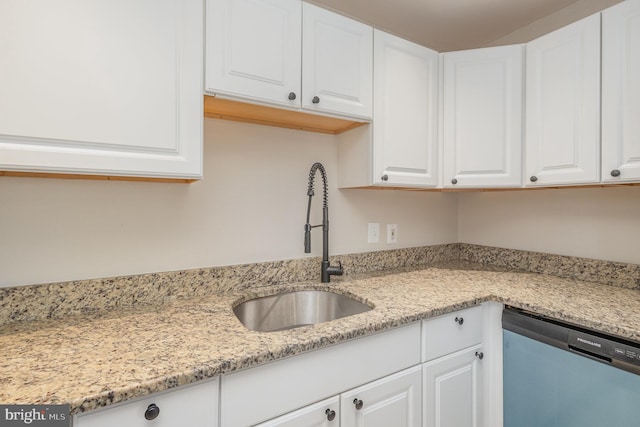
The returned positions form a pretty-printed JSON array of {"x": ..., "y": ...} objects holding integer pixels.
[{"x": 94, "y": 360}]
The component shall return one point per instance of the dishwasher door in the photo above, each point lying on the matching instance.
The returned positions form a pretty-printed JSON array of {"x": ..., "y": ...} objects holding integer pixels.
[{"x": 547, "y": 386}]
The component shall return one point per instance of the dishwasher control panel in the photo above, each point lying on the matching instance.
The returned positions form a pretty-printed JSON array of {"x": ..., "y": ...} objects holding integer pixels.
[
  {"x": 595, "y": 345},
  {"x": 605, "y": 348}
]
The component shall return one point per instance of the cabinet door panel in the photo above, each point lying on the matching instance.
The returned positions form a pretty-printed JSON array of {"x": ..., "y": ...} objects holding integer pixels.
[
  {"x": 452, "y": 390},
  {"x": 621, "y": 92},
  {"x": 101, "y": 87},
  {"x": 482, "y": 133},
  {"x": 310, "y": 416},
  {"x": 563, "y": 105},
  {"x": 337, "y": 63},
  {"x": 253, "y": 49},
  {"x": 391, "y": 401},
  {"x": 405, "y": 112}
]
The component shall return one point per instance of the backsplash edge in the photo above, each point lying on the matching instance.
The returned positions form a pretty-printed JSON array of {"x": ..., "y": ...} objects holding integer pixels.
[
  {"x": 58, "y": 300},
  {"x": 586, "y": 269}
]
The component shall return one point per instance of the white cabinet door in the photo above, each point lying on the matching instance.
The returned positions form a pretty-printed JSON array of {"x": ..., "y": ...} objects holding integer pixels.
[
  {"x": 193, "y": 406},
  {"x": 453, "y": 390},
  {"x": 391, "y": 401},
  {"x": 405, "y": 113},
  {"x": 621, "y": 92},
  {"x": 563, "y": 105},
  {"x": 321, "y": 414},
  {"x": 103, "y": 87},
  {"x": 482, "y": 109},
  {"x": 253, "y": 49},
  {"x": 337, "y": 63}
]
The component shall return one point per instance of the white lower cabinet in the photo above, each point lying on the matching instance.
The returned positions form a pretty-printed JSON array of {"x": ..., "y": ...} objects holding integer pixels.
[
  {"x": 462, "y": 368},
  {"x": 458, "y": 383},
  {"x": 444, "y": 372},
  {"x": 193, "y": 406},
  {"x": 322, "y": 414},
  {"x": 279, "y": 388},
  {"x": 391, "y": 401},
  {"x": 453, "y": 389}
]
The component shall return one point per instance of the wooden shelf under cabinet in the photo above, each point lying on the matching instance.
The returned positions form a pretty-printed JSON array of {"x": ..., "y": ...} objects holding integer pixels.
[{"x": 220, "y": 108}]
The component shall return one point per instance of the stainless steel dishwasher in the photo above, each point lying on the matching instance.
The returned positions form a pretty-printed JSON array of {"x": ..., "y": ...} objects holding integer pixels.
[{"x": 561, "y": 375}]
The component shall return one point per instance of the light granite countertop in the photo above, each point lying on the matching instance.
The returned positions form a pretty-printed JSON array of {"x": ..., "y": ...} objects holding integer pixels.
[{"x": 94, "y": 360}]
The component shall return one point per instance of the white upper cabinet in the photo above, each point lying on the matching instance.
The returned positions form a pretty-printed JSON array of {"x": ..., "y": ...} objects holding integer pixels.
[
  {"x": 563, "y": 105},
  {"x": 287, "y": 53},
  {"x": 102, "y": 87},
  {"x": 621, "y": 92},
  {"x": 482, "y": 123},
  {"x": 337, "y": 63},
  {"x": 253, "y": 50},
  {"x": 405, "y": 114},
  {"x": 400, "y": 148}
]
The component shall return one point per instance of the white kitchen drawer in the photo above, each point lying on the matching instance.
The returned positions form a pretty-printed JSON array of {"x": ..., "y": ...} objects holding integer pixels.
[
  {"x": 194, "y": 406},
  {"x": 451, "y": 332},
  {"x": 276, "y": 388}
]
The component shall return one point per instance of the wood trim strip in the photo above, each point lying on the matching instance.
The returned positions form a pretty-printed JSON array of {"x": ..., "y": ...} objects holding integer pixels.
[
  {"x": 95, "y": 177},
  {"x": 487, "y": 190}
]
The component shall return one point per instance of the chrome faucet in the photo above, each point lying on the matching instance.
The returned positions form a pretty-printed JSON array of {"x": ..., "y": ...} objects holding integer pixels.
[{"x": 326, "y": 269}]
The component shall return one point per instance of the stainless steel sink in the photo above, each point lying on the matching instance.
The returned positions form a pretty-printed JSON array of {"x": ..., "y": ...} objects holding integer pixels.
[{"x": 295, "y": 309}]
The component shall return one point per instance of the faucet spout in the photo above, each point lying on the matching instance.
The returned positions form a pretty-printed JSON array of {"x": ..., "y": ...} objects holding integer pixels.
[{"x": 326, "y": 269}]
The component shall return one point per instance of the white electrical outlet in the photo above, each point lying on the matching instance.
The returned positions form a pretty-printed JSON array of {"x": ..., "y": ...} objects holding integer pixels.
[
  {"x": 392, "y": 233},
  {"x": 374, "y": 232}
]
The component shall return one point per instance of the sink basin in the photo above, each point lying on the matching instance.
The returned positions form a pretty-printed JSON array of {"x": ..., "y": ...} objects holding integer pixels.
[{"x": 295, "y": 309}]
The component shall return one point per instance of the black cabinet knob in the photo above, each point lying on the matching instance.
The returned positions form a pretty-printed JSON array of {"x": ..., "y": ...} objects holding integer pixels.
[
  {"x": 385, "y": 178},
  {"x": 459, "y": 320},
  {"x": 533, "y": 178},
  {"x": 331, "y": 414},
  {"x": 454, "y": 181},
  {"x": 479, "y": 355},
  {"x": 315, "y": 100},
  {"x": 615, "y": 173},
  {"x": 152, "y": 412},
  {"x": 359, "y": 404},
  {"x": 292, "y": 96}
]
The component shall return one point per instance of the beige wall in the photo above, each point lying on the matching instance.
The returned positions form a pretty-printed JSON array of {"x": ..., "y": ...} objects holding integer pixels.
[
  {"x": 601, "y": 223},
  {"x": 250, "y": 207}
]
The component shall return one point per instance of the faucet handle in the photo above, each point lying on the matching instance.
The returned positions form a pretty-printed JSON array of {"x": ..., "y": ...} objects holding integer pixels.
[
  {"x": 335, "y": 271},
  {"x": 307, "y": 238}
]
